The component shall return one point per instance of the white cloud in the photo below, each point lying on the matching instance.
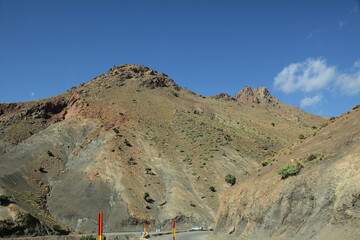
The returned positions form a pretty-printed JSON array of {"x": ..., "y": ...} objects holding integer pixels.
[
  {"x": 32, "y": 94},
  {"x": 341, "y": 24},
  {"x": 310, "y": 101},
  {"x": 307, "y": 76},
  {"x": 349, "y": 83}
]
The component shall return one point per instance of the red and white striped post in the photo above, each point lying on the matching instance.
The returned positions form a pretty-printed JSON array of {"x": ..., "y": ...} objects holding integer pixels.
[
  {"x": 174, "y": 230},
  {"x": 100, "y": 226}
]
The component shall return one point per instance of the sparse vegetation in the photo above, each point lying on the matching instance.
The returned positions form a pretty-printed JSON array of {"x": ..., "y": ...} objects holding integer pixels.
[
  {"x": 324, "y": 124},
  {"x": 176, "y": 94},
  {"x": 273, "y": 124},
  {"x": 289, "y": 169},
  {"x": 148, "y": 170},
  {"x": 41, "y": 169},
  {"x": 212, "y": 188},
  {"x": 231, "y": 179},
  {"x": 192, "y": 205},
  {"x": 116, "y": 130},
  {"x": 88, "y": 237},
  {"x": 301, "y": 136}
]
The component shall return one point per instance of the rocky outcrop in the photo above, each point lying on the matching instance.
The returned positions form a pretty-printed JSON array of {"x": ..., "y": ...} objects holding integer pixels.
[
  {"x": 246, "y": 95},
  {"x": 224, "y": 96}
]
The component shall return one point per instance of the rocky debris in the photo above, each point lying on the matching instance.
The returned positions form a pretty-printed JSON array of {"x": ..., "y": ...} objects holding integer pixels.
[
  {"x": 15, "y": 222},
  {"x": 162, "y": 203},
  {"x": 259, "y": 95}
]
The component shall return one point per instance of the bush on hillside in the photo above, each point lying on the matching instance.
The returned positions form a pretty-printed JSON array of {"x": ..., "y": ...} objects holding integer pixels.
[
  {"x": 88, "y": 237},
  {"x": 289, "y": 169},
  {"x": 231, "y": 179}
]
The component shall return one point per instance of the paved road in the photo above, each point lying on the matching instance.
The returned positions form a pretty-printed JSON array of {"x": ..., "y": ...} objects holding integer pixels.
[{"x": 185, "y": 236}]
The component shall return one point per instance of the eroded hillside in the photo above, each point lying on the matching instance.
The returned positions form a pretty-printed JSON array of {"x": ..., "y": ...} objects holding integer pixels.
[
  {"x": 103, "y": 145},
  {"x": 321, "y": 201}
]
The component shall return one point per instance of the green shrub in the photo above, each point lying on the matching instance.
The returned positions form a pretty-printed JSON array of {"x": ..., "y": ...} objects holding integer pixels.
[
  {"x": 175, "y": 94},
  {"x": 41, "y": 169},
  {"x": 324, "y": 124},
  {"x": 231, "y": 179},
  {"x": 116, "y": 130},
  {"x": 332, "y": 119},
  {"x": 57, "y": 227},
  {"x": 289, "y": 169},
  {"x": 4, "y": 199},
  {"x": 88, "y": 237},
  {"x": 273, "y": 124},
  {"x": 212, "y": 188},
  {"x": 146, "y": 196},
  {"x": 193, "y": 205},
  {"x": 301, "y": 136},
  {"x": 50, "y": 153},
  {"x": 127, "y": 143},
  {"x": 356, "y": 107},
  {"x": 265, "y": 162},
  {"x": 148, "y": 170},
  {"x": 311, "y": 157}
]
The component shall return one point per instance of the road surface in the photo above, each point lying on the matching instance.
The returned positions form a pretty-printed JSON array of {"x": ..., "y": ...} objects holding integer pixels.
[{"x": 185, "y": 236}]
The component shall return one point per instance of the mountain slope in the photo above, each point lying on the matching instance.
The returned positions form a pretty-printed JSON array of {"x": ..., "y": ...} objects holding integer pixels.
[
  {"x": 321, "y": 202},
  {"x": 104, "y": 144}
]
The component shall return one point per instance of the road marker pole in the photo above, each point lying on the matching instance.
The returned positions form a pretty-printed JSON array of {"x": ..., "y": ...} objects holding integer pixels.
[
  {"x": 169, "y": 228},
  {"x": 144, "y": 229},
  {"x": 174, "y": 230},
  {"x": 188, "y": 226},
  {"x": 100, "y": 226},
  {"x": 150, "y": 229}
]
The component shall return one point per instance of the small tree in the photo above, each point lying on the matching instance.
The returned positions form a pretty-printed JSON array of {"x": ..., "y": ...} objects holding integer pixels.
[
  {"x": 301, "y": 136},
  {"x": 273, "y": 124},
  {"x": 148, "y": 170},
  {"x": 231, "y": 179},
  {"x": 212, "y": 188}
]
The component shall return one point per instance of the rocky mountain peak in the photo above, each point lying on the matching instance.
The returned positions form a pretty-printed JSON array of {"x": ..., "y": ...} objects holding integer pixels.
[
  {"x": 246, "y": 95},
  {"x": 257, "y": 95}
]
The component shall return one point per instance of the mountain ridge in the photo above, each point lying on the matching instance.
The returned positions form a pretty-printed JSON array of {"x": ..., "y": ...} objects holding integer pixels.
[{"x": 133, "y": 131}]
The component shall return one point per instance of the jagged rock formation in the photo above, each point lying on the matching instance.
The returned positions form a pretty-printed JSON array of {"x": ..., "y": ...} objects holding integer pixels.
[
  {"x": 102, "y": 145},
  {"x": 320, "y": 202}
]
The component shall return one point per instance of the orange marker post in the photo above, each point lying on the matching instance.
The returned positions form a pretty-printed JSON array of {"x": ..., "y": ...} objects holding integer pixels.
[
  {"x": 100, "y": 226},
  {"x": 149, "y": 228},
  {"x": 169, "y": 228},
  {"x": 174, "y": 230}
]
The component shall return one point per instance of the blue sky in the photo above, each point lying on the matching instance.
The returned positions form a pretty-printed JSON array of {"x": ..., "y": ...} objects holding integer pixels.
[{"x": 307, "y": 53}]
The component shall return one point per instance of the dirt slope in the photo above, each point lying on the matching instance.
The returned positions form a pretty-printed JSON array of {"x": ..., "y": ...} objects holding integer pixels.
[
  {"x": 321, "y": 202},
  {"x": 103, "y": 145}
]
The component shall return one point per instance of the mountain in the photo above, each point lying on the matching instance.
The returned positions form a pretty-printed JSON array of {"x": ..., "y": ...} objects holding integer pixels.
[
  {"x": 317, "y": 197},
  {"x": 134, "y": 145}
]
